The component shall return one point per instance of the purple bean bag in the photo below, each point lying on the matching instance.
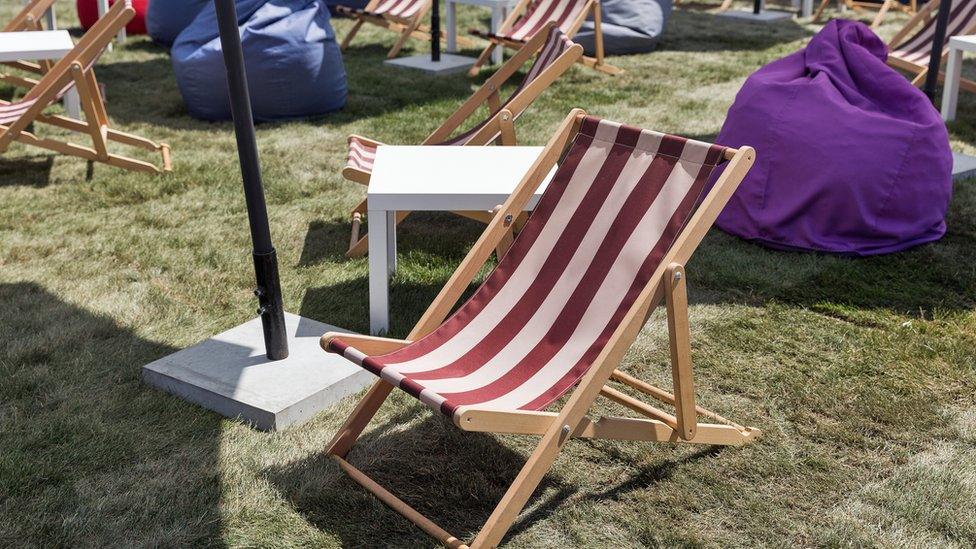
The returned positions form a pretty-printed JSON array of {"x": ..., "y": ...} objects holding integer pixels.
[{"x": 851, "y": 158}]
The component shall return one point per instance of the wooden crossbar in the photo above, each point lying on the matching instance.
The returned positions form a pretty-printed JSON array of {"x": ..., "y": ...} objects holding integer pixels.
[{"x": 400, "y": 506}]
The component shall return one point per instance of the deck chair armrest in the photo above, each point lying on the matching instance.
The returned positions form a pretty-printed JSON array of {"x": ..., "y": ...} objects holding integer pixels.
[
  {"x": 370, "y": 345},
  {"x": 497, "y": 229},
  {"x": 366, "y": 140}
]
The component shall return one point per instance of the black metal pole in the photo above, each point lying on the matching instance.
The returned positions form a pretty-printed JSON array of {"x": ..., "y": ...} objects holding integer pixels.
[
  {"x": 268, "y": 290},
  {"x": 435, "y": 32},
  {"x": 757, "y": 7},
  {"x": 938, "y": 39}
]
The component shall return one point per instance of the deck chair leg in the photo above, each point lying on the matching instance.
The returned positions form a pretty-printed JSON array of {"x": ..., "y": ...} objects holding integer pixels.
[
  {"x": 598, "y": 32},
  {"x": 820, "y": 10},
  {"x": 359, "y": 418},
  {"x": 483, "y": 58},
  {"x": 96, "y": 127},
  {"x": 351, "y": 34},
  {"x": 676, "y": 301},
  {"x": 359, "y": 248},
  {"x": 881, "y": 13}
]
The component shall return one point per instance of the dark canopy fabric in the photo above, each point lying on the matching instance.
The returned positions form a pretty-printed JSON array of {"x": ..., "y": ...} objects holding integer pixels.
[
  {"x": 166, "y": 19},
  {"x": 294, "y": 67},
  {"x": 629, "y": 26},
  {"x": 851, "y": 158}
]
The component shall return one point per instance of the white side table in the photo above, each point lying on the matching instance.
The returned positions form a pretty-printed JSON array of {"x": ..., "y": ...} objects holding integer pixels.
[
  {"x": 950, "y": 89},
  {"x": 499, "y": 11},
  {"x": 38, "y": 46},
  {"x": 414, "y": 178}
]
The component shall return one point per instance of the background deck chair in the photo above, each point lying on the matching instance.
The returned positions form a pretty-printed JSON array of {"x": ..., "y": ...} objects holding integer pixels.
[
  {"x": 882, "y": 7},
  {"x": 912, "y": 54},
  {"x": 531, "y": 16},
  {"x": 30, "y": 18},
  {"x": 400, "y": 16},
  {"x": 75, "y": 69},
  {"x": 556, "y": 54},
  {"x": 606, "y": 244}
]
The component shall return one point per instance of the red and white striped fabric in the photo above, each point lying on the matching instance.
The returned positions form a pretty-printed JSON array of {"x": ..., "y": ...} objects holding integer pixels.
[
  {"x": 918, "y": 48},
  {"x": 540, "y": 12},
  {"x": 10, "y": 112},
  {"x": 362, "y": 153},
  {"x": 400, "y": 8},
  {"x": 600, "y": 231}
]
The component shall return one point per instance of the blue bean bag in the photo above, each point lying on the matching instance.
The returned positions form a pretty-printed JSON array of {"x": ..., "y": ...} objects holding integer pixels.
[
  {"x": 166, "y": 19},
  {"x": 294, "y": 67},
  {"x": 629, "y": 26}
]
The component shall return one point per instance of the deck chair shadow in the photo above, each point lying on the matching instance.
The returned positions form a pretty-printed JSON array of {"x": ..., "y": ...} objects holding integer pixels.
[
  {"x": 606, "y": 244},
  {"x": 554, "y": 55},
  {"x": 911, "y": 54},
  {"x": 29, "y": 18},
  {"x": 400, "y": 16},
  {"x": 881, "y": 7},
  {"x": 75, "y": 69},
  {"x": 530, "y": 16}
]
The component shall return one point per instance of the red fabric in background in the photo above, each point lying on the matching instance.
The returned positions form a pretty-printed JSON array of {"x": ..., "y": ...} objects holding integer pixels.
[{"x": 88, "y": 14}]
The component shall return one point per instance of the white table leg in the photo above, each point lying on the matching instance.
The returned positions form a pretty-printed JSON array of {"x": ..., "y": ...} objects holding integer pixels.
[
  {"x": 950, "y": 89},
  {"x": 497, "y": 17},
  {"x": 72, "y": 104},
  {"x": 451, "y": 27},
  {"x": 50, "y": 18},
  {"x": 379, "y": 271},
  {"x": 806, "y": 8},
  {"x": 102, "y": 8}
]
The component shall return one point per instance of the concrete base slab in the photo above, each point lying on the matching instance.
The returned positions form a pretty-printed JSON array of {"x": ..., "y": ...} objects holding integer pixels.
[
  {"x": 230, "y": 374},
  {"x": 765, "y": 16},
  {"x": 449, "y": 63},
  {"x": 963, "y": 166}
]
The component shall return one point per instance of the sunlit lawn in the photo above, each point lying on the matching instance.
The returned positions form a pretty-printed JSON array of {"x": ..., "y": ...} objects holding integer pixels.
[{"x": 860, "y": 372}]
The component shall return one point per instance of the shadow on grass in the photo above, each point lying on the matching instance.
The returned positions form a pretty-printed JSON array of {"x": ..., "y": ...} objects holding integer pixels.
[
  {"x": 453, "y": 477},
  {"x": 374, "y": 89},
  {"x": 89, "y": 455},
  {"x": 34, "y": 171},
  {"x": 421, "y": 241},
  {"x": 918, "y": 282},
  {"x": 691, "y": 30}
]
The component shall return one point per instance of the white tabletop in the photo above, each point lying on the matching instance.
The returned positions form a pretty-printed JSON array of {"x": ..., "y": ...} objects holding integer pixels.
[
  {"x": 963, "y": 42},
  {"x": 430, "y": 178},
  {"x": 35, "y": 45}
]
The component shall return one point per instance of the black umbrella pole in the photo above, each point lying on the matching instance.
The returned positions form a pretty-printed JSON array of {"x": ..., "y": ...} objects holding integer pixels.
[
  {"x": 757, "y": 7},
  {"x": 268, "y": 290},
  {"x": 435, "y": 32},
  {"x": 938, "y": 39}
]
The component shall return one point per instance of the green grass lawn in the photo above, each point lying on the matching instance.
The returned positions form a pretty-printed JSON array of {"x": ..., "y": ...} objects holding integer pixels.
[{"x": 860, "y": 372}]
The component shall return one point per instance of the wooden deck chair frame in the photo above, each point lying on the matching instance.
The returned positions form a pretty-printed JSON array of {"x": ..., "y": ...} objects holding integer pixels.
[
  {"x": 71, "y": 68},
  {"x": 668, "y": 284},
  {"x": 882, "y": 9},
  {"x": 29, "y": 18},
  {"x": 501, "y": 124},
  {"x": 918, "y": 72},
  {"x": 591, "y": 7},
  {"x": 406, "y": 27}
]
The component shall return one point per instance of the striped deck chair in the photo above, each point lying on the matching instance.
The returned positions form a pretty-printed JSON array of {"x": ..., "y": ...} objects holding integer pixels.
[
  {"x": 556, "y": 54},
  {"x": 75, "y": 69},
  {"x": 530, "y": 16},
  {"x": 400, "y": 16},
  {"x": 912, "y": 54},
  {"x": 605, "y": 245},
  {"x": 882, "y": 7}
]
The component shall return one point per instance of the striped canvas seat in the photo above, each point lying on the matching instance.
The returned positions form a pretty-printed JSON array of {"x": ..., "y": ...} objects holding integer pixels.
[
  {"x": 599, "y": 232},
  {"x": 539, "y": 12},
  {"x": 362, "y": 152},
  {"x": 918, "y": 48}
]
